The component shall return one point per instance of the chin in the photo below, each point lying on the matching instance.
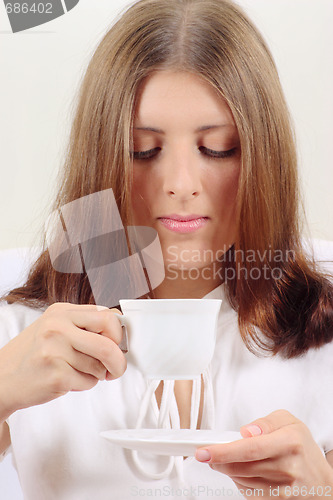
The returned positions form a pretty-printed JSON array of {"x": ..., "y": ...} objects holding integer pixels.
[{"x": 184, "y": 265}]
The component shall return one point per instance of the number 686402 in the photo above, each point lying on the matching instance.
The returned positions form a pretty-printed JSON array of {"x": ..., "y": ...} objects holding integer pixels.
[{"x": 24, "y": 8}]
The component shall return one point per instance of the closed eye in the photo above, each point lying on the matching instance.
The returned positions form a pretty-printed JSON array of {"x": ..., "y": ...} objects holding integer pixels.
[
  {"x": 145, "y": 155},
  {"x": 218, "y": 154},
  {"x": 211, "y": 153}
]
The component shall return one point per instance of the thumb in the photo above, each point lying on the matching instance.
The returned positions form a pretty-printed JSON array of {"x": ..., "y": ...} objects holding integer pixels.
[
  {"x": 251, "y": 430},
  {"x": 268, "y": 424}
]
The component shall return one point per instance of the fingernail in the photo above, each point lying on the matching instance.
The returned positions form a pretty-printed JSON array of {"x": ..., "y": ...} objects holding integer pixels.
[
  {"x": 101, "y": 308},
  {"x": 254, "y": 430},
  {"x": 203, "y": 455}
]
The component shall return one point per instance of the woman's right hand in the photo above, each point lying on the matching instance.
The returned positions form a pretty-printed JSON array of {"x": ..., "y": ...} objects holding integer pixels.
[{"x": 69, "y": 348}]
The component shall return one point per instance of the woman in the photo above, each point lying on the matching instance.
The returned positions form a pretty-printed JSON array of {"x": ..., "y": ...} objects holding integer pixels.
[{"x": 181, "y": 114}]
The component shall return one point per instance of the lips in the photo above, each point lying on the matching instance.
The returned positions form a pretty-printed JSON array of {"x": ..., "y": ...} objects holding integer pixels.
[{"x": 183, "y": 223}]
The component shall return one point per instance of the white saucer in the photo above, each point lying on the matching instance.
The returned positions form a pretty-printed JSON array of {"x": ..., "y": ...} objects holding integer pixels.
[{"x": 168, "y": 441}]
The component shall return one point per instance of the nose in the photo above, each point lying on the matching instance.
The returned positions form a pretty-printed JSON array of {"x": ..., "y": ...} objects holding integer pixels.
[{"x": 182, "y": 179}]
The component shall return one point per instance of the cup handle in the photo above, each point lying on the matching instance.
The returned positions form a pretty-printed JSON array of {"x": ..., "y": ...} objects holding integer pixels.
[{"x": 123, "y": 346}]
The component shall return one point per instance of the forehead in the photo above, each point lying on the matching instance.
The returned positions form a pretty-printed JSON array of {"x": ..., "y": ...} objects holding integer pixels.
[{"x": 177, "y": 96}]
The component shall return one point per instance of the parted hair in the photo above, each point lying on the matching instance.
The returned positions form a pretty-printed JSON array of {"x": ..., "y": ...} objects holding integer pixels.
[{"x": 286, "y": 312}]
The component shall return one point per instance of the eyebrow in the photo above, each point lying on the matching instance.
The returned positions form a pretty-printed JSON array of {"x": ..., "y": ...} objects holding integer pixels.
[{"x": 200, "y": 129}]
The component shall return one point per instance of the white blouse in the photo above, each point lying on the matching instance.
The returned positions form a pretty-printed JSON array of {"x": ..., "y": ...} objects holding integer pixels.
[{"x": 60, "y": 455}]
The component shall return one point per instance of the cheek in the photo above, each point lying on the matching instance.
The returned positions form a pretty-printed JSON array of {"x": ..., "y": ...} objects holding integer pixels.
[
  {"x": 225, "y": 190},
  {"x": 137, "y": 190},
  {"x": 142, "y": 193}
]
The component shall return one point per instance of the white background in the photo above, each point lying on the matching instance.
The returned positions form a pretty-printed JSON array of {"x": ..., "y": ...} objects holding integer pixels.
[{"x": 40, "y": 70}]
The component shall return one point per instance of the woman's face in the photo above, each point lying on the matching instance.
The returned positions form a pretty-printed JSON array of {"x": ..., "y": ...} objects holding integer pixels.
[{"x": 185, "y": 169}]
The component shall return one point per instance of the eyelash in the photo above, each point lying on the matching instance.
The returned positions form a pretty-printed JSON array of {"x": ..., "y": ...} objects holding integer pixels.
[
  {"x": 218, "y": 154},
  {"x": 210, "y": 153},
  {"x": 145, "y": 155}
]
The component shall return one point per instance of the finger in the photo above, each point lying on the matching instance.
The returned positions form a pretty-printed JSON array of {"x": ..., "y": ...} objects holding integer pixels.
[
  {"x": 271, "y": 423},
  {"x": 65, "y": 379},
  {"x": 97, "y": 319},
  {"x": 102, "y": 349},
  {"x": 269, "y": 469},
  {"x": 104, "y": 322},
  {"x": 245, "y": 450},
  {"x": 87, "y": 364},
  {"x": 123, "y": 344},
  {"x": 79, "y": 381},
  {"x": 68, "y": 306}
]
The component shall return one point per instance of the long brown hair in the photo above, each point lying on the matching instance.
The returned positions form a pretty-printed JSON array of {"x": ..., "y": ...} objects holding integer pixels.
[{"x": 287, "y": 312}]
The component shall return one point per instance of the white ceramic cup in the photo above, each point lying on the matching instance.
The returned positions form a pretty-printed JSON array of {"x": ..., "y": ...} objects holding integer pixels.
[{"x": 170, "y": 338}]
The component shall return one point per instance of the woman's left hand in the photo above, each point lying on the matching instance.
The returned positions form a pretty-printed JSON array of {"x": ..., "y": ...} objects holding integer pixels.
[{"x": 279, "y": 456}]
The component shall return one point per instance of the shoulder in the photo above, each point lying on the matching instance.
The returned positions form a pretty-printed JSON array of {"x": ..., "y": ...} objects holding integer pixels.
[
  {"x": 14, "y": 318},
  {"x": 320, "y": 358},
  {"x": 315, "y": 365}
]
